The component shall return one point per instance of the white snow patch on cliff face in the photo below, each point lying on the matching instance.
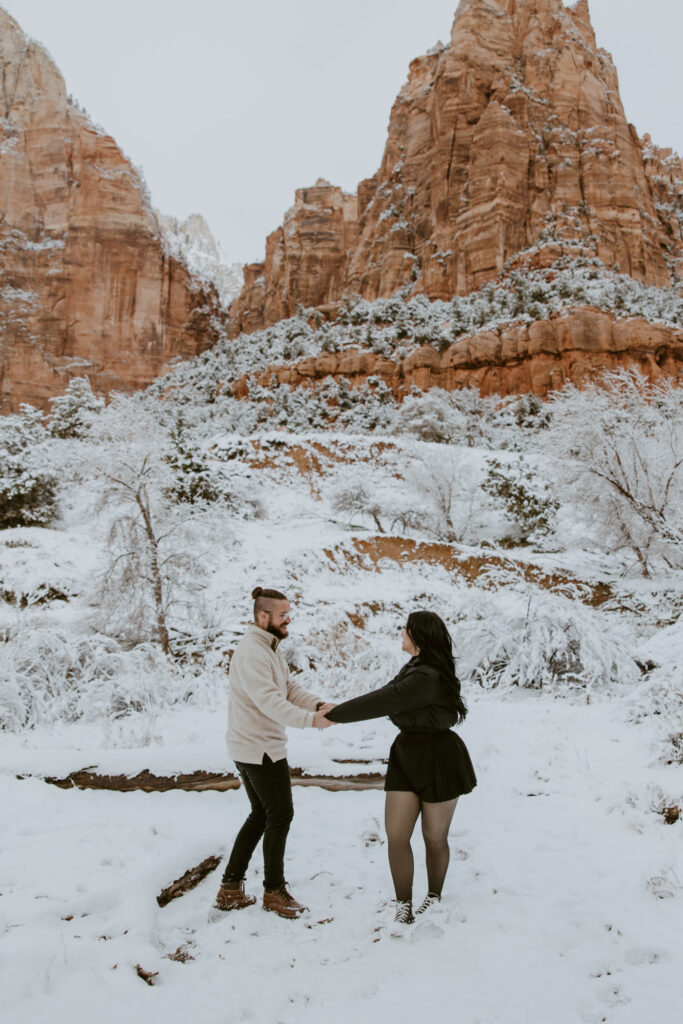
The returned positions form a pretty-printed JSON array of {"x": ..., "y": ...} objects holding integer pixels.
[{"x": 190, "y": 241}]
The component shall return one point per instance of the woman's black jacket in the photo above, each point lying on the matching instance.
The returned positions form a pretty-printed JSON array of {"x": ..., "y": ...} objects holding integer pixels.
[{"x": 416, "y": 700}]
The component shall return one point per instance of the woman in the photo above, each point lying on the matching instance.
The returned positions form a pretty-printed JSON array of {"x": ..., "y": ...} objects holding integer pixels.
[{"x": 429, "y": 766}]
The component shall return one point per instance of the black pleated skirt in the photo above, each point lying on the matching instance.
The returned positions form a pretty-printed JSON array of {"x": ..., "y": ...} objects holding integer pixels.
[{"x": 435, "y": 765}]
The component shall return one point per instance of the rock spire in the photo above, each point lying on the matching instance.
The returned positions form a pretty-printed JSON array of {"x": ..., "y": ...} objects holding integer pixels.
[{"x": 508, "y": 147}]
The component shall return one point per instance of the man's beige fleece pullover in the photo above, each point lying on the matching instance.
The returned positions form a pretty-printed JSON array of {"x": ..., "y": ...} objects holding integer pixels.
[{"x": 263, "y": 700}]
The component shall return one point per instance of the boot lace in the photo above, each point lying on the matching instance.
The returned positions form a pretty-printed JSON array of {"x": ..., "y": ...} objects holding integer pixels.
[
  {"x": 430, "y": 900},
  {"x": 404, "y": 912}
]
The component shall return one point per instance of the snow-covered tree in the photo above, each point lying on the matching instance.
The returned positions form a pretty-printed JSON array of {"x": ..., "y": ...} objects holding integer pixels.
[
  {"x": 193, "y": 481},
  {"x": 73, "y": 411},
  {"x": 355, "y": 498},
  {"x": 620, "y": 446},
  {"x": 523, "y": 494},
  {"x": 144, "y": 568},
  {"x": 28, "y": 489},
  {"x": 447, "y": 487},
  {"x": 478, "y": 411},
  {"x": 200, "y": 481},
  {"x": 151, "y": 565}
]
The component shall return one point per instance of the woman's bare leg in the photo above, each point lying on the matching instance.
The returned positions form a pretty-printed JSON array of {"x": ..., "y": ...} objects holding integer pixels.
[
  {"x": 436, "y": 821},
  {"x": 401, "y": 811}
]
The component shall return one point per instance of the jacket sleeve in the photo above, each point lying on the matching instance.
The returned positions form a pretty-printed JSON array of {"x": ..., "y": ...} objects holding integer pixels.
[
  {"x": 264, "y": 692},
  {"x": 404, "y": 693},
  {"x": 302, "y": 698}
]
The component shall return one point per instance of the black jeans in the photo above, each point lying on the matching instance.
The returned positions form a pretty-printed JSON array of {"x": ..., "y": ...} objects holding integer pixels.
[{"x": 269, "y": 789}]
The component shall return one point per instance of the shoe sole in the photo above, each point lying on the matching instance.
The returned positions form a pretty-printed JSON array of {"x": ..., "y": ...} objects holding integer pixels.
[
  {"x": 236, "y": 906},
  {"x": 287, "y": 917}
]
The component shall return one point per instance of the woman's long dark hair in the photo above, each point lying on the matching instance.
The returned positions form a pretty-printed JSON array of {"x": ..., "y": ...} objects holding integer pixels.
[{"x": 428, "y": 632}]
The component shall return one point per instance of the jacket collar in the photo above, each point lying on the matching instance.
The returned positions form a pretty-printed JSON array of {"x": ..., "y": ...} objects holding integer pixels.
[{"x": 263, "y": 635}]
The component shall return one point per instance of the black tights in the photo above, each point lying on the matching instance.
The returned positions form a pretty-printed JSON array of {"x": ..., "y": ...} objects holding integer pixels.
[{"x": 402, "y": 810}]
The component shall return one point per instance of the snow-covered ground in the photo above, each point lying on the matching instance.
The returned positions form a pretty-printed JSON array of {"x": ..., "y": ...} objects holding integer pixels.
[{"x": 564, "y": 900}]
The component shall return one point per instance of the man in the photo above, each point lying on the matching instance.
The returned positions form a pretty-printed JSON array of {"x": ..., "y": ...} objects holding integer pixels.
[{"x": 263, "y": 701}]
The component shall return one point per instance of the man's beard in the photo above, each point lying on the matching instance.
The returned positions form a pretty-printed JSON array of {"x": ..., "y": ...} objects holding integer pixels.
[{"x": 276, "y": 631}]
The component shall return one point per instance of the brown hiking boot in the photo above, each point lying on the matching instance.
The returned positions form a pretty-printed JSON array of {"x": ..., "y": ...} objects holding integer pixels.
[
  {"x": 231, "y": 896},
  {"x": 282, "y": 902}
]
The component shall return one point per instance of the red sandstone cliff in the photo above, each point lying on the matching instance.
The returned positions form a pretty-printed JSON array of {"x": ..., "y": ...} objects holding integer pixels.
[
  {"x": 85, "y": 285},
  {"x": 508, "y": 146},
  {"x": 306, "y": 259}
]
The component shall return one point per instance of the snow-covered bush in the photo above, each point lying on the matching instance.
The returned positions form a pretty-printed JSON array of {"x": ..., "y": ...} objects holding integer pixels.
[
  {"x": 446, "y": 417},
  {"x": 506, "y": 635},
  {"x": 516, "y": 422},
  {"x": 73, "y": 411},
  {"x": 49, "y": 676},
  {"x": 28, "y": 489},
  {"x": 541, "y": 640},
  {"x": 619, "y": 444},
  {"x": 371, "y": 492},
  {"x": 349, "y": 661},
  {"x": 660, "y": 694},
  {"x": 330, "y": 403},
  {"x": 36, "y": 568}
]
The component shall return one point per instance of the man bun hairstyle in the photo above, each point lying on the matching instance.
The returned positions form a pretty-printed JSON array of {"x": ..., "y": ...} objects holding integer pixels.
[{"x": 263, "y": 597}]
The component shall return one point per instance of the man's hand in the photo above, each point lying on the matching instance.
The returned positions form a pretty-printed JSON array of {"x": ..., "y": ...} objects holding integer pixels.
[
  {"x": 324, "y": 708},
  {"x": 319, "y": 720}
]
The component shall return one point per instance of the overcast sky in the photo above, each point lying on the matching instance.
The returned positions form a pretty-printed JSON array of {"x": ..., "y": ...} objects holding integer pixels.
[{"x": 230, "y": 105}]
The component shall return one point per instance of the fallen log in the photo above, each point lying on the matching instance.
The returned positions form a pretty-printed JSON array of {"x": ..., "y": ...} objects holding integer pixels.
[
  {"x": 337, "y": 784},
  {"x": 200, "y": 781},
  {"x": 188, "y": 881},
  {"x": 146, "y": 781}
]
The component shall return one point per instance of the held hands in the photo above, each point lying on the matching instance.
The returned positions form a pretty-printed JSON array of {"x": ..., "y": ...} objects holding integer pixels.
[{"x": 319, "y": 719}]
